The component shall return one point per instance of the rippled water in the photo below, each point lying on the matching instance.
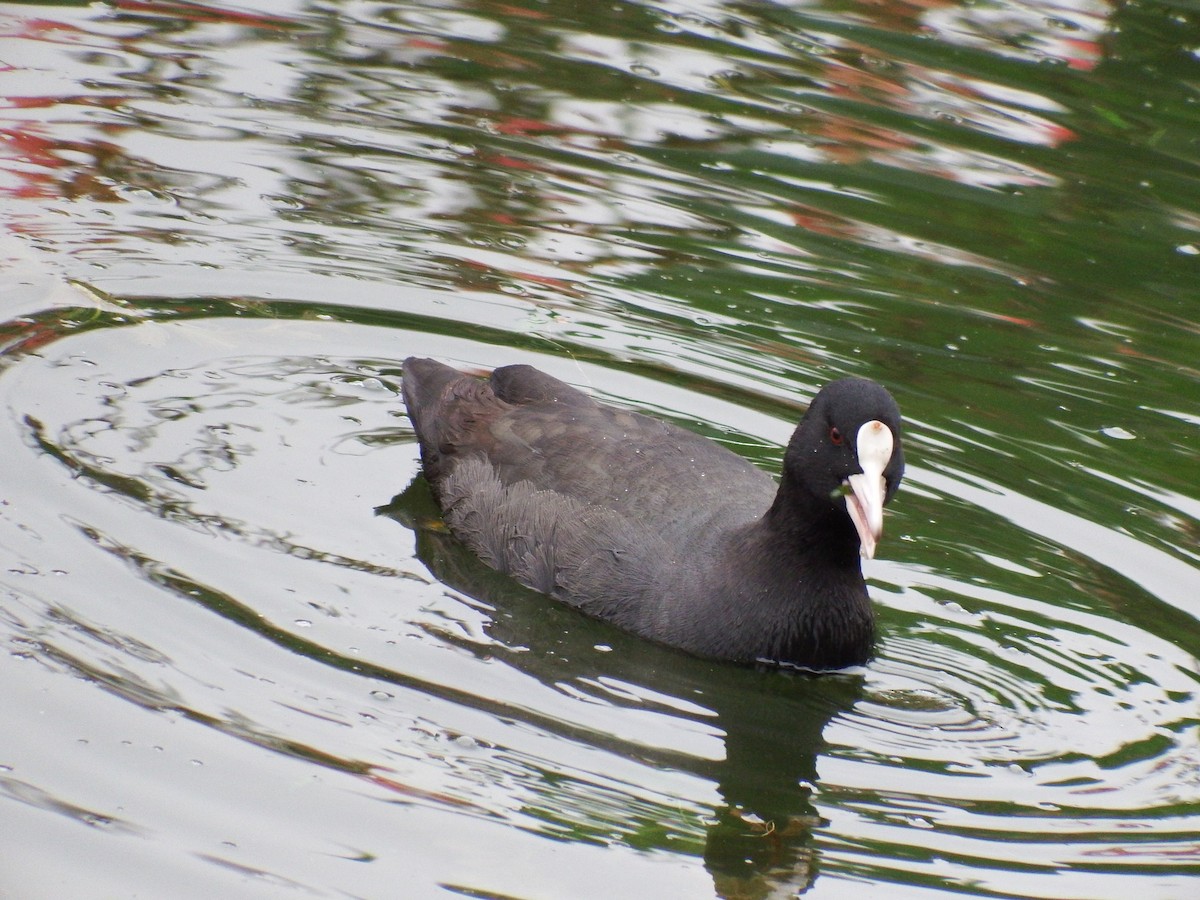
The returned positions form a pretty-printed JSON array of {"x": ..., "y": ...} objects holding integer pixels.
[{"x": 242, "y": 656}]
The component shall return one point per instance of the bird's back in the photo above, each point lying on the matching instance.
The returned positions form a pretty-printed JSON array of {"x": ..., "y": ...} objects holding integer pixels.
[
  {"x": 590, "y": 503},
  {"x": 533, "y": 428}
]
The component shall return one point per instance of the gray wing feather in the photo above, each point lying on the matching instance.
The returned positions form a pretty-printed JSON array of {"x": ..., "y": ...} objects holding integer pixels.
[{"x": 587, "y": 555}]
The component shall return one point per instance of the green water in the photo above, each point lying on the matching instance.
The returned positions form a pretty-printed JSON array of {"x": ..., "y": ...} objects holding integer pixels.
[{"x": 222, "y": 227}]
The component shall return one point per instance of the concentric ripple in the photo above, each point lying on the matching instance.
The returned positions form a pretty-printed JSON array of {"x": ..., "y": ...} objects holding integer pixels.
[{"x": 242, "y": 484}]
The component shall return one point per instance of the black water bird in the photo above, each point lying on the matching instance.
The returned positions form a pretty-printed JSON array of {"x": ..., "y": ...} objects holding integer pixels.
[{"x": 661, "y": 531}]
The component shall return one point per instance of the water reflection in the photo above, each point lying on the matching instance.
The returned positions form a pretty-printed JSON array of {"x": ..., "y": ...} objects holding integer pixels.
[
  {"x": 759, "y": 838},
  {"x": 798, "y": 91}
]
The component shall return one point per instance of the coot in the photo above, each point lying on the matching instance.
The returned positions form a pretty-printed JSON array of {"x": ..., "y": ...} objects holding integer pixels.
[{"x": 658, "y": 530}]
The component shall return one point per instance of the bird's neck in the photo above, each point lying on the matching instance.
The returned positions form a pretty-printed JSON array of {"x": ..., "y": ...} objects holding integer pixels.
[
  {"x": 815, "y": 531},
  {"x": 796, "y": 574}
]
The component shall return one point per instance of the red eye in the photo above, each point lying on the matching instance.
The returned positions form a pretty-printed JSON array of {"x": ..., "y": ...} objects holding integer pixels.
[{"x": 835, "y": 435}]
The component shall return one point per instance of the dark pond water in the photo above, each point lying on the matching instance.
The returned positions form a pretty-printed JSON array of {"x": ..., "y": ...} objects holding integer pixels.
[{"x": 225, "y": 674}]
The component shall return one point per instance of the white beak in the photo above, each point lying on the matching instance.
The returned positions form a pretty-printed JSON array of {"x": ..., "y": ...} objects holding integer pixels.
[{"x": 867, "y": 489}]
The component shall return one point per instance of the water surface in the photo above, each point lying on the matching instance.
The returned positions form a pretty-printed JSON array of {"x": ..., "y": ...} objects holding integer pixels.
[{"x": 243, "y": 658}]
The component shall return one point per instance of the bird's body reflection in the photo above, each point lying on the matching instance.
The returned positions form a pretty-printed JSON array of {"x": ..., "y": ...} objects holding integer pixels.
[{"x": 759, "y": 837}]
